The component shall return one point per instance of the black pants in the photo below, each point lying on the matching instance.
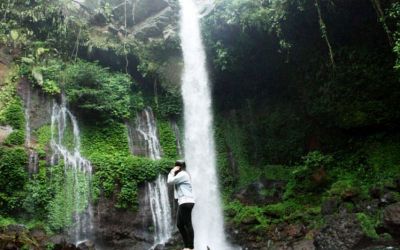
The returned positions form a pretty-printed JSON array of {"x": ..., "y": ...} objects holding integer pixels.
[{"x": 184, "y": 223}]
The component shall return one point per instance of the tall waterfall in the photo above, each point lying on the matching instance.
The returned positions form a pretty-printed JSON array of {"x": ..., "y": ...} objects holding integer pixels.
[
  {"x": 199, "y": 145},
  {"x": 145, "y": 134},
  {"x": 68, "y": 150}
]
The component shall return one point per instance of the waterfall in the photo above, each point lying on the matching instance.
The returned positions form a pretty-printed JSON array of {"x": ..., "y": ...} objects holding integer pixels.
[
  {"x": 33, "y": 161},
  {"x": 62, "y": 121},
  {"x": 160, "y": 210},
  {"x": 143, "y": 140},
  {"x": 199, "y": 145},
  {"x": 177, "y": 134}
]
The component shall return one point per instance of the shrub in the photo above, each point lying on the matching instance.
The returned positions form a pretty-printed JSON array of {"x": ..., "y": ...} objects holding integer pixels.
[
  {"x": 93, "y": 88},
  {"x": 17, "y": 137},
  {"x": 12, "y": 178},
  {"x": 367, "y": 225}
]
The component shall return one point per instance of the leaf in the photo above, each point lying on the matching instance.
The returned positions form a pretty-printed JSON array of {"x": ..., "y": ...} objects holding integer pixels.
[
  {"x": 37, "y": 74},
  {"x": 27, "y": 60},
  {"x": 41, "y": 51},
  {"x": 14, "y": 34}
]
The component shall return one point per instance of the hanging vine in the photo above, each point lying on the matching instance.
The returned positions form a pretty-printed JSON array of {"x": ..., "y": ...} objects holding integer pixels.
[{"x": 325, "y": 34}]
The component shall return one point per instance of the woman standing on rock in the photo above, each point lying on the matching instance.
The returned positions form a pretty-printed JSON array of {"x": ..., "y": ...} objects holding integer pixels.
[{"x": 183, "y": 192}]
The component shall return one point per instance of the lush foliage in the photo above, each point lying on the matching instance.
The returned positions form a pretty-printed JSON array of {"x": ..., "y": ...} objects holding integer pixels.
[
  {"x": 167, "y": 139},
  {"x": 13, "y": 178},
  {"x": 117, "y": 172},
  {"x": 92, "y": 88}
]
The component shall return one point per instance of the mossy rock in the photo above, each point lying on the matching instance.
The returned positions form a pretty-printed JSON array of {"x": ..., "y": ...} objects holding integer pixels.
[
  {"x": 367, "y": 225},
  {"x": 345, "y": 189}
]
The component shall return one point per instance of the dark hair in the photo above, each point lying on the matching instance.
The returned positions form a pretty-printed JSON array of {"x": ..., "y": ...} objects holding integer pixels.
[{"x": 181, "y": 164}]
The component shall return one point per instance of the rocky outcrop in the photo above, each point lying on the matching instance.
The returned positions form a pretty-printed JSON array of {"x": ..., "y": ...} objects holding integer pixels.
[
  {"x": 342, "y": 232},
  {"x": 40, "y": 104},
  {"x": 123, "y": 229},
  {"x": 391, "y": 219}
]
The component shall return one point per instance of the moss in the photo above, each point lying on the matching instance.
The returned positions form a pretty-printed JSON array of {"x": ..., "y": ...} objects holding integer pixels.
[
  {"x": 43, "y": 135},
  {"x": 367, "y": 225},
  {"x": 13, "y": 115},
  {"x": 167, "y": 139},
  {"x": 343, "y": 188}
]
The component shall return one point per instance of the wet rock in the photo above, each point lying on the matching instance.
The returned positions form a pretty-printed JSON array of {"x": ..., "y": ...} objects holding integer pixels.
[
  {"x": 87, "y": 245},
  {"x": 342, "y": 232},
  {"x": 391, "y": 219},
  {"x": 375, "y": 193},
  {"x": 99, "y": 19},
  {"x": 330, "y": 206},
  {"x": 123, "y": 229},
  {"x": 390, "y": 198},
  {"x": 304, "y": 245},
  {"x": 262, "y": 192},
  {"x": 294, "y": 231},
  {"x": 368, "y": 206},
  {"x": 147, "y": 8},
  {"x": 40, "y": 104}
]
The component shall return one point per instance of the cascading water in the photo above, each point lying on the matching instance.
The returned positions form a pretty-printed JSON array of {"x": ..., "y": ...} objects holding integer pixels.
[
  {"x": 75, "y": 166},
  {"x": 33, "y": 155},
  {"x": 199, "y": 145},
  {"x": 145, "y": 134},
  {"x": 177, "y": 134}
]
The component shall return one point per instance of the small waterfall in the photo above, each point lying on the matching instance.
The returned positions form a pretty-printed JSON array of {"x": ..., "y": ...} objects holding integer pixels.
[
  {"x": 143, "y": 140},
  {"x": 199, "y": 143},
  {"x": 177, "y": 134},
  {"x": 62, "y": 121},
  {"x": 33, "y": 161},
  {"x": 160, "y": 210}
]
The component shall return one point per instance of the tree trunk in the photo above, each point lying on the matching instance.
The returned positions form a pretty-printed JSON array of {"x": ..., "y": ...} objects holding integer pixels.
[{"x": 381, "y": 17}]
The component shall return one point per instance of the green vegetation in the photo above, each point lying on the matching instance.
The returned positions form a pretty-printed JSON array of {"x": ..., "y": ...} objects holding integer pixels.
[
  {"x": 367, "y": 225},
  {"x": 93, "y": 89},
  {"x": 117, "y": 173},
  {"x": 12, "y": 179},
  {"x": 167, "y": 139}
]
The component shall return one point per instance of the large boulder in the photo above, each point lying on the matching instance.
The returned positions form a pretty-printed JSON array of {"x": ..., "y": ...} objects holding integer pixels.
[
  {"x": 342, "y": 232},
  {"x": 391, "y": 219}
]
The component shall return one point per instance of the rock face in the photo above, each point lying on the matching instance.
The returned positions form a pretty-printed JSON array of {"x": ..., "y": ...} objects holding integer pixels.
[
  {"x": 391, "y": 219},
  {"x": 121, "y": 228},
  {"x": 40, "y": 104},
  {"x": 255, "y": 192},
  {"x": 342, "y": 232}
]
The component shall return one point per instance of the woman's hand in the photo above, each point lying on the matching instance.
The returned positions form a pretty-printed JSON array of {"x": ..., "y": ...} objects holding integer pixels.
[{"x": 176, "y": 168}]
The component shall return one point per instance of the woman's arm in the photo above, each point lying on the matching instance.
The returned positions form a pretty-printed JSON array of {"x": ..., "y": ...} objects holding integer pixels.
[{"x": 176, "y": 179}]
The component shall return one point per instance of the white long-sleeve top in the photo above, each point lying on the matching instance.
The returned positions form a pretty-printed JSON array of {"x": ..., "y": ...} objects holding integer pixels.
[{"x": 183, "y": 190}]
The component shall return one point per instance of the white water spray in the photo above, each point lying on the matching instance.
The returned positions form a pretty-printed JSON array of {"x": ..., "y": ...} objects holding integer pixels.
[
  {"x": 199, "y": 138},
  {"x": 61, "y": 118},
  {"x": 145, "y": 133}
]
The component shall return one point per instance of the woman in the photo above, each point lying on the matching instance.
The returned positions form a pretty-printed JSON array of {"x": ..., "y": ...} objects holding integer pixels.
[{"x": 183, "y": 192}]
